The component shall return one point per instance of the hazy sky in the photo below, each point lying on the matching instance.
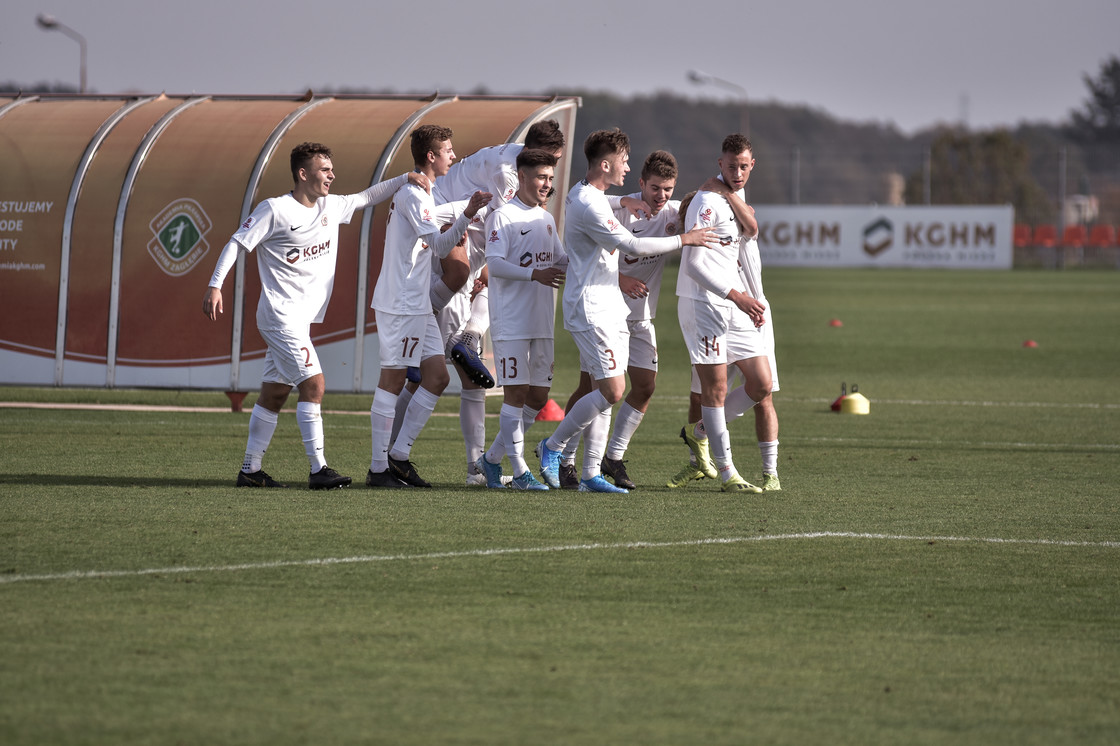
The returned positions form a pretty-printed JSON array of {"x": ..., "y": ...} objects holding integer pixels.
[{"x": 910, "y": 63}]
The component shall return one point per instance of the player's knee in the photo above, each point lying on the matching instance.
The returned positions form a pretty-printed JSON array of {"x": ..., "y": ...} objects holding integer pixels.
[
  {"x": 434, "y": 375},
  {"x": 640, "y": 393}
]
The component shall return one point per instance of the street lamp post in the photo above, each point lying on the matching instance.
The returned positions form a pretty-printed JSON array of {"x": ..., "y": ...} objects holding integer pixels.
[
  {"x": 702, "y": 78},
  {"x": 48, "y": 22}
]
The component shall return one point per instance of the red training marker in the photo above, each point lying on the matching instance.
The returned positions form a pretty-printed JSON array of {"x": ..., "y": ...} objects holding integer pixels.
[
  {"x": 836, "y": 322},
  {"x": 1030, "y": 343}
]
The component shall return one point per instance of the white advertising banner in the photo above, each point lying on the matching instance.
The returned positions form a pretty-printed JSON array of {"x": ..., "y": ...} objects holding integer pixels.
[{"x": 951, "y": 237}]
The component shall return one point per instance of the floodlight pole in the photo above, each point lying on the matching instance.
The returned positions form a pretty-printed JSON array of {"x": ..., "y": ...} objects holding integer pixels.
[
  {"x": 48, "y": 22},
  {"x": 703, "y": 78}
]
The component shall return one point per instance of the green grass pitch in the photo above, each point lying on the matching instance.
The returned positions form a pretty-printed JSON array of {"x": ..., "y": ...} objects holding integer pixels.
[{"x": 945, "y": 570}]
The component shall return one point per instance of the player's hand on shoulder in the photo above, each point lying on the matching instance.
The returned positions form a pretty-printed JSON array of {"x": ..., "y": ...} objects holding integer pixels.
[
  {"x": 639, "y": 208},
  {"x": 716, "y": 186},
  {"x": 421, "y": 180}
]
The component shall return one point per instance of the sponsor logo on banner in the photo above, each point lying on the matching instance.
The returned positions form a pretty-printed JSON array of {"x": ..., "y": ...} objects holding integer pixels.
[
  {"x": 179, "y": 236},
  {"x": 878, "y": 237},
  {"x": 966, "y": 236}
]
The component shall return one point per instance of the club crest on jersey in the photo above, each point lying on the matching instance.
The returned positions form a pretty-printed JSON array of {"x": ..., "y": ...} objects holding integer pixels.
[
  {"x": 549, "y": 229},
  {"x": 323, "y": 222},
  {"x": 671, "y": 229},
  {"x": 179, "y": 236}
]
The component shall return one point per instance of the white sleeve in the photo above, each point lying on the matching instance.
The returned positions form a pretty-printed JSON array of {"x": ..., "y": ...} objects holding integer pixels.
[
  {"x": 444, "y": 242},
  {"x": 226, "y": 260},
  {"x": 507, "y": 270},
  {"x": 379, "y": 192},
  {"x": 649, "y": 246},
  {"x": 701, "y": 272}
]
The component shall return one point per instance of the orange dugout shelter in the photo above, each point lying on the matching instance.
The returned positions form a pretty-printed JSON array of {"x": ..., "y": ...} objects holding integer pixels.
[{"x": 113, "y": 210}]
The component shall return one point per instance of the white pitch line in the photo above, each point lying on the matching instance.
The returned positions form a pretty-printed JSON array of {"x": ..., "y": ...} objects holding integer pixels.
[
  {"x": 936, "y": 442},
  {"x": 496, "y": 552}
]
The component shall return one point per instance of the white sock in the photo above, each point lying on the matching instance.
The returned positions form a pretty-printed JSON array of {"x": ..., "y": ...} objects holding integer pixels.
[
  {"x": 625, "y": 423},
  {"x": 262, "y": 424},
  {"x": 472, "y": 422},
  {"x": 479, "y": 320},
  {"x": 594, "y": 441},
  {"x": 310, "y": 418},
  {"x": 528, "y": 417},
  {"x": 403, "y": 398},
  {"x": 440, "y": 294},
  {"x": 737, "y": 403},
  {"x": 719, "y": 440},
  {"x": 513, "y": 438},
  {"x": 415, "y": 417},
  {"x": 381, "y": 414},
  {"x": 582, "y": 414},
  {"x": 769, "y": 451}
]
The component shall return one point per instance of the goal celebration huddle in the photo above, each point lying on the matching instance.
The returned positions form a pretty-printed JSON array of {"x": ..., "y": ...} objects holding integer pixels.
[{"x": 470, "y": 249}]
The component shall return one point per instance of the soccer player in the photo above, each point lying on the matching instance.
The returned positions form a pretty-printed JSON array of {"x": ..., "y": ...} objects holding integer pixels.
[
  {"x": 297, "y": 238},
  {"x": 492, "y": 170},
  {"x": 594, "y": 310},
  {"x": 719, "y": 316},
  {"x": 700, "y": 464},
  {"x": 407, "y": 330},
  {"x": 526, "y": 260},
  {"x": 639, "y": 279}
]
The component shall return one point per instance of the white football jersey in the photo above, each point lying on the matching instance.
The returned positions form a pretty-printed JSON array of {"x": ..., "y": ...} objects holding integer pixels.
[
  {"x": 648, "y": 269},
  {"x": 406, "y": 263},
  {"x": 591, "y": 236},
  {"x": 297, "y": 250},
  {"x": 526, "y": 237},
  {"x": 711, "y": 210}
]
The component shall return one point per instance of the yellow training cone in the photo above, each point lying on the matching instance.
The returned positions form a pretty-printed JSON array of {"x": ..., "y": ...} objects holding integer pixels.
[{"x": 855, "y": 403}]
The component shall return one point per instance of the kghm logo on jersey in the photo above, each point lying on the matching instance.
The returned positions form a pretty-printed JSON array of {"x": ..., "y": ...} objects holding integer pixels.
[
  {"x": 292, "y": 256},
  {"x": 179, "y": 236},
  {"x": 526, "y": 259}
]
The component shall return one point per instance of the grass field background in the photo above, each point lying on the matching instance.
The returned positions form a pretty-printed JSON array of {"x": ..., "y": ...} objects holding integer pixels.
[{"x": 945, "y": 570}]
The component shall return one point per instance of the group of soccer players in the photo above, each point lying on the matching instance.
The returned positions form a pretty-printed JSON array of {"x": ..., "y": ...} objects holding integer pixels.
[{"x": 469, "y": 248}]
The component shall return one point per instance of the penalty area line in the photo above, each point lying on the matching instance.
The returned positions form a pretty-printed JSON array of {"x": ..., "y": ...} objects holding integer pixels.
[{"x": 499, "y": 551}]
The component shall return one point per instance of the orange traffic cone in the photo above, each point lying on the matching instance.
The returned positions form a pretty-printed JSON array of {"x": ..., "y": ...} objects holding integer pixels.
[{"x": 550, "y": 412}]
